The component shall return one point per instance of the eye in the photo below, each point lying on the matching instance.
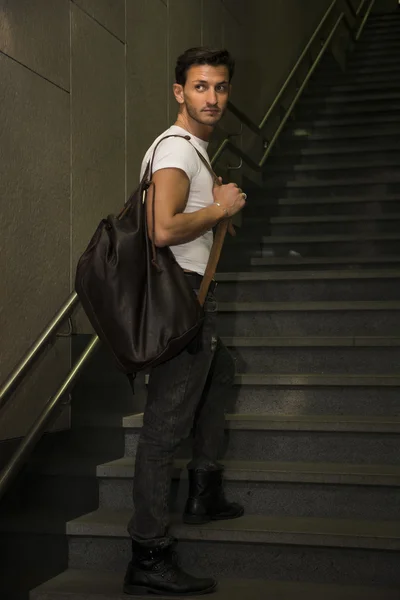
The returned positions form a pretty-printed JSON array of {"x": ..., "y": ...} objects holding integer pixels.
[
  {"x": 221, "y": 88},
  {"x": 200, "y": 87}
]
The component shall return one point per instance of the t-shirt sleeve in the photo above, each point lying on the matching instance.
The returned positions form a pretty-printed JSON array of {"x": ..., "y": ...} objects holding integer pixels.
[{"x": 179, "y": 154}]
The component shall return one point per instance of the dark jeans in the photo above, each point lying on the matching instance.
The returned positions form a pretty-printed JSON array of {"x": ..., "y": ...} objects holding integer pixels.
[{"x": 186, "y": 393}]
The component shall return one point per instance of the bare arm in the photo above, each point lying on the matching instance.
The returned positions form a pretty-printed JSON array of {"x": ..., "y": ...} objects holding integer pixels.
[{"x": 172, "y": 225}]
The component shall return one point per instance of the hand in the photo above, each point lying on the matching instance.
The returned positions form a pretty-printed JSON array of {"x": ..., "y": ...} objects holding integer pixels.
[{"x": 230, "y": 197}]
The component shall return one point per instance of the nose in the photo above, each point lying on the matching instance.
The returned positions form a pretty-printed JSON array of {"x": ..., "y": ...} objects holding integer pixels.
[{"x": 212, "y": 96}]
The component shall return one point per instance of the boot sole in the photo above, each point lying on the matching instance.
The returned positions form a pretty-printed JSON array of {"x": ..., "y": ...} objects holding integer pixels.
[
  {"x": 138, "y": 590},
  {"x": 195, "y": 520}
]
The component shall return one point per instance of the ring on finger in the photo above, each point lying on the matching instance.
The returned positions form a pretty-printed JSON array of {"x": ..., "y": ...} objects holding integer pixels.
[{"x": 244, "y": 196}]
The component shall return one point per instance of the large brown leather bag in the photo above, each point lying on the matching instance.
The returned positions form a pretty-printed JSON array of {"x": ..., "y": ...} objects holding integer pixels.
[{"x": 136, "y": 295}]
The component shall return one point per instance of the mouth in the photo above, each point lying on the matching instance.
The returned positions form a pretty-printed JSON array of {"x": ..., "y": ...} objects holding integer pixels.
[{"x": 212, "y": 111}]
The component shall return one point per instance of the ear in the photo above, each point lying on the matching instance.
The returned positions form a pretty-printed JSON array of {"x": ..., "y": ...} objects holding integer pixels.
[{"x": 178, "y": 93}]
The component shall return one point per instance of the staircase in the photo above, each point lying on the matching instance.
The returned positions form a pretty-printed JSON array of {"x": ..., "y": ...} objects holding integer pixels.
[{"x": 313, "y": 424}]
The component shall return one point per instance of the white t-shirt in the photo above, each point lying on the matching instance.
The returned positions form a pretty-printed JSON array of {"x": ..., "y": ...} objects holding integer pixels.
[{"x": 179, "y": 153}]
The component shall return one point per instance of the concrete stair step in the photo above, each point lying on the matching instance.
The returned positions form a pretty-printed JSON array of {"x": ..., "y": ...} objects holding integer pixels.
[
  {"x": 366, "y": 284},
  {"x": 321, "y": 239},
  {"x": 260, "y": 206},
  {"x": 339, "y": 533},
  {"x": 379, "y": 134},
  {"x": 380, "y": 36},
  {"x": 329, "y": 224},
  {"x": 306, "y": 438},
  {"x": 274, "y": 471},
  {"x": 352, "y": 164},
  {"x": 334, "y": 318},
  {"x": 239, "y": 254},
  {"x": 376, "y": 21},
  {"x": 349, "y": 262},
  {"x": 374, "y": 67},
  {"x": 362, "y": 60},
  {"x": 381, "y": 77},
  {"x": 386, "y": 54},
  {"x": 352, "y": 121},
  {"x": 329, "y": 360},
  {"x": 76, "y": 584},
  {"x": 358, "y": 107},
  {"x": 343, "y": 98},
  {"x": 320, "y": 169},
  {"x": 365, "y": 181},
  {"x": 277, "y": 488},
  {"x": 265, "y": 547},
  {"x": 321, "y": 87},
  {"x": 382, "y": 44},
  {"x": 306, "y": 423}
]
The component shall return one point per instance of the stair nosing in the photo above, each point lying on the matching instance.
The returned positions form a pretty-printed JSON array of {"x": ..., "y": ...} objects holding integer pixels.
[
  {"x": 322, "y": 183},
  {"x": 297, "y": 423},
  {"x": 323, "y": 239},
  {"x": 346, "y": 218},
  {"x": 309, "y": 305},
  {"x": 256, "y": 276},
  {"x": 98, "y": 585},
  {"x": 256, "y": 529},
  {"x": 268, "y": 471},
  {"x": 311, "y": 341},
  {"x": 324, "y": 260},
  {"x": 334, "y": 200}
]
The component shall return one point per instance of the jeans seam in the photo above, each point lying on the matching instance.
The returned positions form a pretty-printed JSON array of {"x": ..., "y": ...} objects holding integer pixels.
[{"x": 175, "y": 419}]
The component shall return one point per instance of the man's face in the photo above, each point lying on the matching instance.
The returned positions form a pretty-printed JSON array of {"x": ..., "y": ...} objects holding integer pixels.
[{"x": 205, "y": 93}]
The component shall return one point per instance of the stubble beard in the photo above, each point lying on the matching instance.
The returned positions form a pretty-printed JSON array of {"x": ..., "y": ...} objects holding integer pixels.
[{"x": 197, "y": 116}]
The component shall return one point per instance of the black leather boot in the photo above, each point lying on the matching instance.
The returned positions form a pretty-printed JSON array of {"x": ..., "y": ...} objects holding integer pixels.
[
  {"x": 156, "y": 571},
  {"x": 207, "y": 501}
]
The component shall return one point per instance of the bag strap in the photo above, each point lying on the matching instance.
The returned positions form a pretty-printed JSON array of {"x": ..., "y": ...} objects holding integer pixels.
[{"x": 221, "y": 229}]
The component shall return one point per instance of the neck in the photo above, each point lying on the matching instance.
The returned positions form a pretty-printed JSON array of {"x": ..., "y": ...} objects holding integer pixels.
[{"x": 197, "y": 129}]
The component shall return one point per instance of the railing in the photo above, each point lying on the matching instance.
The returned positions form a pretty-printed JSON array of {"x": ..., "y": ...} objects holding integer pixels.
[{"x": 55, "y": 404}]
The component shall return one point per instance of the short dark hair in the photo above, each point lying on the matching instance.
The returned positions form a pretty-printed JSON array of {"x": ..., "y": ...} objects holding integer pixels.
[{"x": 202, "y": 56}]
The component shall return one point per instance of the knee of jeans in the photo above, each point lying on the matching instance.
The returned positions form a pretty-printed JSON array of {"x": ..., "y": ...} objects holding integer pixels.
[{"x": 166, "y": 440}]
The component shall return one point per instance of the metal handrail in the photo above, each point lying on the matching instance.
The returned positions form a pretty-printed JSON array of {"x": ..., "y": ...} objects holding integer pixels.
[
  {"x": 367, "y": 13},
  {"x": 55, "y": 402},
  {"x": 296, "y": 66},
  {"x": 35, "y": 350}
]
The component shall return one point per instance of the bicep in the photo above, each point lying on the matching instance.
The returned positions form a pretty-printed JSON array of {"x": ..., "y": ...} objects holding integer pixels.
[{"x": 170, "y": 190}]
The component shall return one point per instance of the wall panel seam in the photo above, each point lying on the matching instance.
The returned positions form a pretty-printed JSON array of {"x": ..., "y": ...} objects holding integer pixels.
[
  {"x": 34, "y": 72},
  {"x": 98, "y": 22},
  {"x": 126, "y": 99},
  {"x": 71, "y": 236}
]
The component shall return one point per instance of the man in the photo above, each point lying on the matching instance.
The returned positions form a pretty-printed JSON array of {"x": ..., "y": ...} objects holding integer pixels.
[{"x": 188, "y": 391}]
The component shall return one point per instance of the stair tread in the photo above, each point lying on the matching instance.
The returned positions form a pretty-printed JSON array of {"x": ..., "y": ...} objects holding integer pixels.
[
  {"x": 336, "y": 200},
  {"x": 88, "y": 585},
  {"x": 361, "y": 97},
  {"x": 342, "y": 237},
  {"x": 335, "y": 150},
  {"x": 332, "y": 218},
  {"x": 343, "y": 134},
  {"x": 261, "y": 422},
  {"x": 309, "y": 305},
  {"x": 313, "y": 260},
  {"x": 311, "y": 182},
  {"x": 255, "y": 529},
  {"x": 312, "y": 341},
  {"x": 236, "y": 470},
  {"x": 315, "y": 380},
  {"x": 308, "y": 275},
  {"x": 332, "y": 166}
]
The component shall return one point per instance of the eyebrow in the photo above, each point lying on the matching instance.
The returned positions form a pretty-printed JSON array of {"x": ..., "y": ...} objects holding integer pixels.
[{"x": 204, "y": 81}]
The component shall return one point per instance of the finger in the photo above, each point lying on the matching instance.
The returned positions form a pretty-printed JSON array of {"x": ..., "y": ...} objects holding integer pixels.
[{"x": 231, "y": 229}]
